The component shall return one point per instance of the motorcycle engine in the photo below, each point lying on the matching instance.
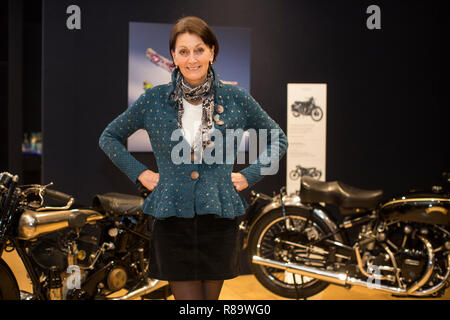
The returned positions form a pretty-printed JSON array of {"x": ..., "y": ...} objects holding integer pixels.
[
  {"x": 52, "y": 250},
  {"x": 412, "y": 265},
  {"x": 409, "y": 250},
  {"x": 46, "y": 253},
  {"x": 88, "y": 244},
  {"x": 117, "y": 278}
]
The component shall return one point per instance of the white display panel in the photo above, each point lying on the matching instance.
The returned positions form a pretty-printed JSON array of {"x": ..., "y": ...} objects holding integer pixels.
[{"x": 306, "y": 132}]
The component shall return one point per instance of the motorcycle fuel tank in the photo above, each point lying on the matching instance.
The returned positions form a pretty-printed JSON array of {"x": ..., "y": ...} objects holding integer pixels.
[
  {"x": 33, "y": 224},
  {"x": 431, "y": 208}
]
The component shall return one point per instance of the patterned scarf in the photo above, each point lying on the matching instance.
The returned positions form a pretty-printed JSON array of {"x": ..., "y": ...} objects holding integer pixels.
[{"x": 202, "y": 92}]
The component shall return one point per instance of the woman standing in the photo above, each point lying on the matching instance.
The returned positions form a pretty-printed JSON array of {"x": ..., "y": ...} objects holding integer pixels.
[{"x": 195, "y": 234}]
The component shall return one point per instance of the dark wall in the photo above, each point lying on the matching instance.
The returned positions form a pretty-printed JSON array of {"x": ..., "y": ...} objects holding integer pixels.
[
  {"x": 20, "y": 85},
  {"x": 387, "y": 116},
  {"x": 4, "y": 84},
  {"x": 15, "y": 86}
]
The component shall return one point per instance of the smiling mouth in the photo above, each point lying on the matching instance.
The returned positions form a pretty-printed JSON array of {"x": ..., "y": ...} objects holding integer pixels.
[{"x": 193, "y": 68}]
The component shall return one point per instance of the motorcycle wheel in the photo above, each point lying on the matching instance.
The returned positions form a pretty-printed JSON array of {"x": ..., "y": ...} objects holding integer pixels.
[
  {"x": 9, "y": 290},
  {"x": 316, "y": 174},
  {"x": 262, "y": 243},
  {"x": 294, "y": 175},
  {"x": 316, "y": 114}
]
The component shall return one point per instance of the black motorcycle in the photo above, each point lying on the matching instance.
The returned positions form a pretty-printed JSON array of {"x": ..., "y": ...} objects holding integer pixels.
[
  {"x": 74, "y": 252},
  {"x": 300, "y": 171},
  {"x": 296, "y": 248},
  {"x": 307, "y": 108}
]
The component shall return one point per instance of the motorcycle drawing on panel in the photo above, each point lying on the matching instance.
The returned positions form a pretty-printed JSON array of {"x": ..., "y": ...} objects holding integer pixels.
[
  {"x": 400, "y": 245},
  {"x": 300, "y": 171},
  {"x": 307, "y": 108},
  {"x": 72, "y": 252}
]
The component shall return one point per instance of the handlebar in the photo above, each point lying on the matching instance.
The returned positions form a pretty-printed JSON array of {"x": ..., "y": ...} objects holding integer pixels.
[
  {"x": 6, "y": 179},
  {"x": 57, "y": 195},
  {"x": 8, "y": 184}
]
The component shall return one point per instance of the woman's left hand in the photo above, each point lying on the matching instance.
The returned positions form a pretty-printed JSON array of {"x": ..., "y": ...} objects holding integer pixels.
[{"x": 239, "y": 181}]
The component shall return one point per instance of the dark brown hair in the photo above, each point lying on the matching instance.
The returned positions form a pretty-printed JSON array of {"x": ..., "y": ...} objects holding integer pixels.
[{"x": 196, "y": 26}]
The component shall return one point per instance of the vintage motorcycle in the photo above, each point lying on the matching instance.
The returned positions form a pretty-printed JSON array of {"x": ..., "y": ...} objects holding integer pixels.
[
  {"x": 307, "y": 108},
  {"x": 296, "y": 248},
  {"x": 72, "y": 252},
  {"x": 300, "y": 171}
]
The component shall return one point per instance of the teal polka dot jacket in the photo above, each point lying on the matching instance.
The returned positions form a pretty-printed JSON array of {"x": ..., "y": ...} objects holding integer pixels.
[{"x": 188, "y": 188}]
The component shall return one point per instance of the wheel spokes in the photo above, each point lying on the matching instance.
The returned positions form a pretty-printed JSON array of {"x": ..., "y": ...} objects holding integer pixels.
[{"x": 281, "y": 251}]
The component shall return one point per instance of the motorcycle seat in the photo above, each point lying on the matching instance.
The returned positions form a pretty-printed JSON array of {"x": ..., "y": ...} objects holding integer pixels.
[
  {"x": 118, "y": 204},
  {"x": 338, "y": 193}
]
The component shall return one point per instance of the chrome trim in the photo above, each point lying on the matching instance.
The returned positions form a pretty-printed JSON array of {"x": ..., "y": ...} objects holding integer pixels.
[
  {"x": 152, "y": 285},
  {"x": 66, "y": 207},
  {"x": 312, "y": 249},
  {"x": 328, "y": 276},
  {"x": 430, "y": 266},
  {"x": 364, "y": 272},
  {"x": 263, "y": 196},
  {"x": 415, "y": 200},
  {"x": 105, "y": 246},
  {"x": 394, "y": 264},
  {"x": 330, "y": 224},
  {"x": 25, "y": 295},
  {"x": 437, "y": 287}
]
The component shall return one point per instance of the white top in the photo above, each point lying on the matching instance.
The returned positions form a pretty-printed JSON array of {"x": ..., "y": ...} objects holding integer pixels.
[{"x": 192, "y": 121}]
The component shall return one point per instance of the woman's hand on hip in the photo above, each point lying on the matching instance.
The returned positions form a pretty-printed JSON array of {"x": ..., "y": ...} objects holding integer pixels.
[
  {"x": 149, "y": 179},
  {"x": 239, "y": 181}
]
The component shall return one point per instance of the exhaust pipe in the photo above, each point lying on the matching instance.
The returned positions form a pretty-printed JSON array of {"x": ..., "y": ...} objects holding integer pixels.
[
  {"x": 324, "y": 275},
  {"x": 152, "y": 285},
  {"x": 343, "y": 278}
]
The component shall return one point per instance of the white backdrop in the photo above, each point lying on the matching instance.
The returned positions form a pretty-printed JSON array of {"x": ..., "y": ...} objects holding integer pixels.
[{"x": 306, "y": 132}]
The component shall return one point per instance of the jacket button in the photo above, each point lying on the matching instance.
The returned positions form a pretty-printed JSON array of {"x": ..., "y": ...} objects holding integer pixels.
[
  {"x": 219, "y": 109},
  {"x": 194, "y": 175}
]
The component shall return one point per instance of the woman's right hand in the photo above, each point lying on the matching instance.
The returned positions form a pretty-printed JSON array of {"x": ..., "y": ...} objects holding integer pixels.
[{"x": 149, "y": 179}]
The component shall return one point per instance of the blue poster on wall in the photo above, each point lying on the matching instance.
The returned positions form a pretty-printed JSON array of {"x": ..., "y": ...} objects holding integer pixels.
[{"x": 150, "y": 63}]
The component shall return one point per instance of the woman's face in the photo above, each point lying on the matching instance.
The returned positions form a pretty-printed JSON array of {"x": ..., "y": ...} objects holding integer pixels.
[{"x": 192, "y": 56}]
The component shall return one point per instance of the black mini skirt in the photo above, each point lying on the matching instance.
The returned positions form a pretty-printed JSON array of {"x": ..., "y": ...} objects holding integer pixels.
[{"x": 205, "y": 247}]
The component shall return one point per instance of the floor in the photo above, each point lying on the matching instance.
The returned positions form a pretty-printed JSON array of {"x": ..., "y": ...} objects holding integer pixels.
[{"x": 244, "y": 287}]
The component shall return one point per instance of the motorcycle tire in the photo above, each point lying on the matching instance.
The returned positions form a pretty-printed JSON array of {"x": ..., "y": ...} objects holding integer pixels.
[
  {"x": 294, "y": 175},
  {"x": 316, "y": 174},
  {"x": 269, "y": 281},
  {"x": 9, "y": 290},
  {"x": 316, "y": 114}
]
